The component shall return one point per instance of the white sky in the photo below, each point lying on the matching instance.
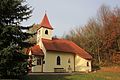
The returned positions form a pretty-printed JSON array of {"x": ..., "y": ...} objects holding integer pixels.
[{"x": 66, "y": 14}]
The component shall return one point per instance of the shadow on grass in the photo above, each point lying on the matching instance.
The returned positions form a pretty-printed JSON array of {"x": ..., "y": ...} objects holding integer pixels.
[{"x": 45, "y": 77}]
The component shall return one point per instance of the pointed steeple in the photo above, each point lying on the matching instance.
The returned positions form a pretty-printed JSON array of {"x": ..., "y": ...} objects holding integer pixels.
[{"x": 45, "y": 22}]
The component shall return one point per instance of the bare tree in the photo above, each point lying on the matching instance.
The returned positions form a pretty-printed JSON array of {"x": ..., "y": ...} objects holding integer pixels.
[{"x": 101, "y": 35}]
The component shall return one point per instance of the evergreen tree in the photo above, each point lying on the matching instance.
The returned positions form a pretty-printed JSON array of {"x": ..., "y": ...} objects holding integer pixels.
[{"x": 13, "y": 61}]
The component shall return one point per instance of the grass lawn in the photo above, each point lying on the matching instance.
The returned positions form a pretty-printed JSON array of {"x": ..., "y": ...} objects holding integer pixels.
[{"x": 87, "y": 76}]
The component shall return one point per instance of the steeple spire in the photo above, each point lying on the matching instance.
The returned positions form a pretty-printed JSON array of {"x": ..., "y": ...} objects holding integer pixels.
[{"x": 45, "y": 22}]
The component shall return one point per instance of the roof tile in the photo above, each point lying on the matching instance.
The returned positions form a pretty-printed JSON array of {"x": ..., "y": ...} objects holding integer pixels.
[
  {"x": 36, "y": 50},
  {"x": 45, "y": 23},
  {"x": 65, "y": 46}
]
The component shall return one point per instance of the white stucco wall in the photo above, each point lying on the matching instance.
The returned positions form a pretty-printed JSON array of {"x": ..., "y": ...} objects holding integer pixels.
[
  {"x": 81, "y": 64},
  {"x": 51, "y": 61},
  {"x": 41, "y": 33},
  {"x": 36, "y": 68}
]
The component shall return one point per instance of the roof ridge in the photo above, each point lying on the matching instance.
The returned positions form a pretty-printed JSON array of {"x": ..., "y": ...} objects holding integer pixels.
[{"x": 65, "y": 46}]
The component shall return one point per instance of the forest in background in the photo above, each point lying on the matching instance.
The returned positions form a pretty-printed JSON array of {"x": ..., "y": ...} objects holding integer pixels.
[{"x": 100, "y": 36}]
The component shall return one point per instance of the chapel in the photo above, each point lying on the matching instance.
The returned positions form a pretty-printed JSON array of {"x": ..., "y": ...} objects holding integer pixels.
[{"x": 56, "y": 55}]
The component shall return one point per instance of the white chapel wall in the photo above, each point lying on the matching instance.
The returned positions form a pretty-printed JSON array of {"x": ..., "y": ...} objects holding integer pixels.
[
  {"x": 81, "y": 64},
  {"x": 46, "y": 36},
  {"x": 51, "y": 61}
]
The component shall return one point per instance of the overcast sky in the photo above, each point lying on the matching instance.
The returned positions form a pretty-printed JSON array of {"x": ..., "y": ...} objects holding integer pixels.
[{"x": 66, "y": 14}]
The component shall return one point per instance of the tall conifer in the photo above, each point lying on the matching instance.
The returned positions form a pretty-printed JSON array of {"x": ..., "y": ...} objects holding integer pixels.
[{"x": 13, "y": 62}]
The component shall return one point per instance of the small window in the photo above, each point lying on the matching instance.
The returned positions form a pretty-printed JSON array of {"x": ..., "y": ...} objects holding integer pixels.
[
  {"x": 69, "y": 60},
  {"x": 38, "y": 61},
  {"x": 87, "y": 63},
  {"x": 58, "y": 60},
  {"x": 46, "y": 31},
  {"x": 43, "y": 62}
]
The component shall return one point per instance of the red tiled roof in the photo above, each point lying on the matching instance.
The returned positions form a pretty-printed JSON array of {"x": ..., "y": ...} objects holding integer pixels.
[
  {"x": 65, "y": 46},
  {"x": 36, "y": 50},
  {"x": 45, "y": 23}
]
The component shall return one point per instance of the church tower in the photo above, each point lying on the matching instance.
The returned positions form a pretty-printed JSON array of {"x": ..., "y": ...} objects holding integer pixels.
[{"x": 45, "y": 30}]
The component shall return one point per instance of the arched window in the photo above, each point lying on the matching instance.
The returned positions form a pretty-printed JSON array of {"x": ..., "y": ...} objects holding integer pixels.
[
  {"x": 58, "y": 60},
  {"x": 46, "y": 31},
  {"x": 87, "y": 63}
]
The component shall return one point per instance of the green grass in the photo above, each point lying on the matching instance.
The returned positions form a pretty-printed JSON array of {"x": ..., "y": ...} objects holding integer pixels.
[{"x": 87, "y": 76}]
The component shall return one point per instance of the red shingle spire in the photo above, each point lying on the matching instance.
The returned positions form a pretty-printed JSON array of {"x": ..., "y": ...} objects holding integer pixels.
[{"x": 45, "y": 22}]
